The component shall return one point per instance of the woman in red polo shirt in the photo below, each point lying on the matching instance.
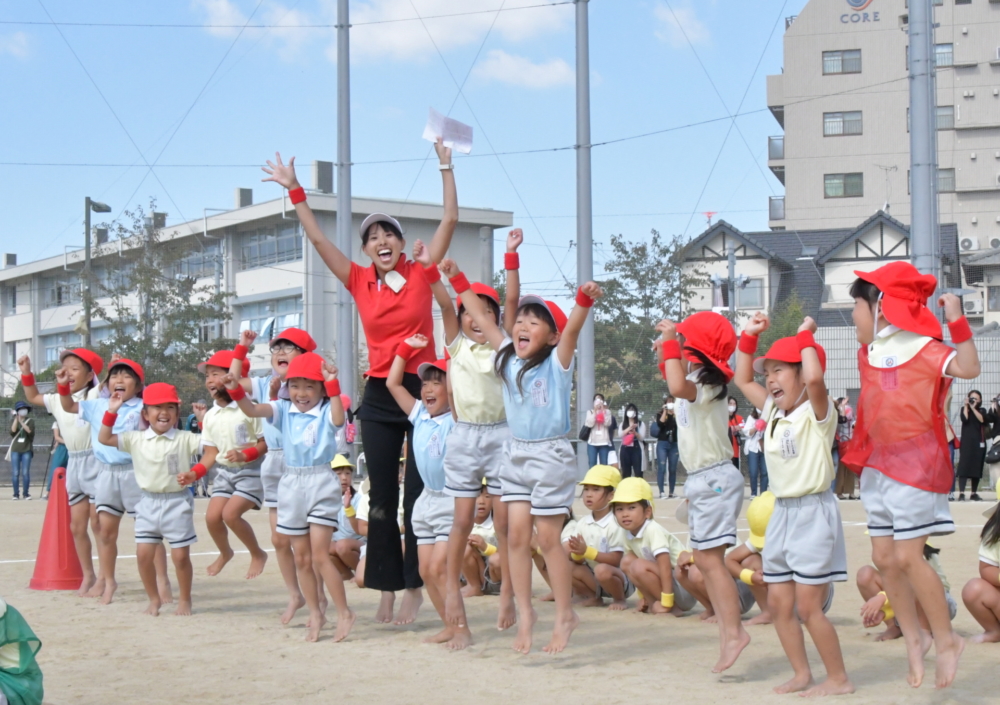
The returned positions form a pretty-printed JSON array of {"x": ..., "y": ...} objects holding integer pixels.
[{"x": 394, "y": 301}]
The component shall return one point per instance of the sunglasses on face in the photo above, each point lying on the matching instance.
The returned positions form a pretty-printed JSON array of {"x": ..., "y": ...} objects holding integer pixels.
[{"x": 285, "y": 348}]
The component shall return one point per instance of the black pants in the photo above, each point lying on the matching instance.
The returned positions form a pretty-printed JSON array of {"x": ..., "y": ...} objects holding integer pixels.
[
  {"x": 630, "y": 461},
  {"x": 975, "y": 484}
]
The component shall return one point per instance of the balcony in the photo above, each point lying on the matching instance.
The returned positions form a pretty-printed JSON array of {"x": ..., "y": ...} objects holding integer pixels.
[
  {"x": 776, "y": 147},
  {"x": 776, "y": 208},
  {"x": 776, "y": 97}
]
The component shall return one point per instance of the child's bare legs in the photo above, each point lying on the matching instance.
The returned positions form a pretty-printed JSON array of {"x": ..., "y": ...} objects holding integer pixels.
[
  {"x": 473, "y": 565},
  {"x": 162, "y": 578},
  {"x": 185, "y": 574},
  {"x": 220, "y": 534},
  {"x": 519, "y": 526},
  {"x": 809, "y": 601},
  {"x": 286, "y": 564},
  {"x": 232, "y": 514},
  {"x": 425, "y": 552},
  {"x": 586, "y": 591},
  {"x": 319, "y": 537},
  {"x": 79, "y": 521},
  {"x": 460, "y": 635},
  {"x": 612, "y": 580},
  {"x": 755, "y": 562},
  {"x": 725, "y": 599},
  {"x": 549, "y": 529},
  {"x": 97, "y": 589},
  {"x": 302, "y": 551},
  {"x": 538, "y": 558},
  {"x": 646, "y": 576},
  {"x": 983, "y": 601},
  {"x": 145, "y": 557},
  {"x": 107, "y": 550},
  {"x": 458, "y": 542},
  {"x": 694, "y": 582},
  {"x": 506, "y": 614},
  {"x": 869, "y": 585},
  {"x": 781, "y": 604},
  {"x": 345, "y": 555}
]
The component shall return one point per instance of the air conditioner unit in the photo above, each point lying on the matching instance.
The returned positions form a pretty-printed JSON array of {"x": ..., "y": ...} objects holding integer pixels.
[
  {"x": 968, "y": 244},
  {"x": 972, "y": 306},
  {"x": 995, "y": 243}
]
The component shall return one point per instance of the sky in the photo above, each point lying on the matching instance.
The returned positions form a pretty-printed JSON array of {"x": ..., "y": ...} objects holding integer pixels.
[{"x": 206, "y": 90}]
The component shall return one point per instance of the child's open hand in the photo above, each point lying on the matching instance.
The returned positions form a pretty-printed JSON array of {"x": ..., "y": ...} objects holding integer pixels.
[
  {"x": 808, "y": 324},
  {"x": 199, "y": 411},
  {"x": 477, "y": 542},
  {"x": 247, "y": 337},
  {"x": 230, "y": 382},
  {"x": 417, "y": 341},
  {"x": 952, "y": 306},
  {"x": 274, "y": 386},
  {"x": 592, "y": 290},
  {"x": 280, "y": 173},
  {"x": 444, "y": 153},
  {"x": 24, "y": 364},
  {"x": 449, "y": 267},
  {"x": 186, "y": 478},
  {"x": 758, "y": 324},
  {"x": 421, "y": 253},
  {"x": 871, "y": 612},
  {"x": 577, "y": 545},
  {"x": 329, "y": 372},
  {"x": 667, "y": 330},
  {"x": 514, "y": 239},
  {"x": 115, "y": 402}
]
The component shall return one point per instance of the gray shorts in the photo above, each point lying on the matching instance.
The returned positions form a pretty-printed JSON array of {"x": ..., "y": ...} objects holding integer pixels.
[
  {"x": 475, "y": 451},
  {"x": 629, "y": 586},
  {"x": 901, "y": 511},
  {"x": 952, "y": 605},
  {"x": 541, "y": 472},
  {"x": 489, "y": 587},
  {"x": 165, "y": 515},
  {"x": 683, "y": 600},
  {"x": 81, "y": 476},
  {"x": 241, "y": 482},
  {"x": 433, "y": 515},
  {"x": 747, "y": 600},
  {"x": 307, "y": 496},
  {"x": 270, "y": 473},
  {"x": 117, "y": 491},
  {"x": 805, "y": 541},
  {"x": 715, "y": 497}
]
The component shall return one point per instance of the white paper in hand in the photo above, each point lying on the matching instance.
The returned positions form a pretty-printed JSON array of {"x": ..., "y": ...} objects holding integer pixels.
[{"x": 456, "y": 135}]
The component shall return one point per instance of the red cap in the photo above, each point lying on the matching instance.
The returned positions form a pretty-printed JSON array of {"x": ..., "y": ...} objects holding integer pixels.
[
  {"x": 424, "y": 366},
  {"x": 88, "y": 356},
  {"x": 787, "y": 350},
  {"x": 904, "y": 297},
  {"x": 711, "y": 334},
  {"x": 557, "y": 313},
  {"x": 134, "y": 366},
  {"x": 160, "y": 393},
  {"x": 297, "y": 337},
  {"x": 307, "y": 366},
  {"x": 481, "y": 289},
  {"x": 223, "y": 359}
]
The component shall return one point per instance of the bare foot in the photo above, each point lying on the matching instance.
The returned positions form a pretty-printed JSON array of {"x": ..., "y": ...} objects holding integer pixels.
[
  {"x": 707, "y": 615},
  {"x": 294, "y": 604},
  {"x": 731, "y": 651},
  {"x": 462, "y": 639},
  {"x": 522, "y": 642},
  {"x": 384, "y": 614},
  {"x": 256, "y": 565},
  {"x": 547, "y": 597},
  {"x": 472, "y": 590},
  {"x": 441, "y": 637},
  {"x": 711, "y": 619},
  {"x": 454, "y": 608},
  {"x": 219, "y": 563},
  {"x": 915, "y": 656},
  {"x": 88, "y": 582},
  {"x": 317, "y": 621},
  {"x": 618, "y": 606},
  {"x": 676, "y": 611},
  {"x": 658, "y": 608},
  {"x": 947, "y": 661},
  {"x": 796, "y": 685},
  {"x": 166, "y": 592},
  {"x": 153, "y": 610},
  {"x": 890, "y": 633},
  {"x": 985, "y": 638},
  {"x": 110, "y": 586},
  {"x": 762, "y": 618},
  {"x": 97, "y": 589},
  {"x": 643, "y": 606},
  {"x": 183, "y": 608},
  {"x": 345, "y": 621},
  {"x": 561, "y": 633},
  {"x": 506, "y": 614},
  {"x": 412, "y": 599},
  {"x": 323, "y": 602},
  {"x": 829, "y": 687},
  {"x": 594, "y": 601}
]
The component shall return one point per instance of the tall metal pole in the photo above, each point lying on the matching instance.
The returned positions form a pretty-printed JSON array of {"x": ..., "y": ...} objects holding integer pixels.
[
  {"x": 584, "y": 212},
  {"x": 345, "y": 304},
  {"x": 86, "y": 271},
  {"x": 924, "y": 229},
  {"x": 731, "y": 284}
]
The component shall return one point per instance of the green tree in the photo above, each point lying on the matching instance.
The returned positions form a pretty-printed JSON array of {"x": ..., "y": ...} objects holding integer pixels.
[{"x": 785, "y": 320}]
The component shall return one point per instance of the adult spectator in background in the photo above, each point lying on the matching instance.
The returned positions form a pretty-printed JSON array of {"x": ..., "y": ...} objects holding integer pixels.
[
  {"x": 58, "y": 458},
  {"x": 972, "y": 448},
  {"x": 843, "y": 483},
  {"x": 735, "y": 427},
  {"x": 664, "y": 428},
  {"x": 993, "y": 433},
  {"x": 22, "y": 431},
  {"x": 632, "y": 432},
  {"x": 753, "y": 432},
  {"x": 599, "y": 441}
]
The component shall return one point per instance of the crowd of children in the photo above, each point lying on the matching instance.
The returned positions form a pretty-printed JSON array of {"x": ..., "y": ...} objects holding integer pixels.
[{"x": 489, "y": 440}]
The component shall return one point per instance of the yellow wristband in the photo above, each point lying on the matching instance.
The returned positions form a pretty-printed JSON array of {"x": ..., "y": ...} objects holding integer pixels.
[
  {"x": 349, "y": 512},
  {"x": 886, "y": 608},
  {"x": 576, "y": 557},
  {"x": 490, "y": 550},
  {"x": 667, "y": 599},
  {"x": 590, "y": 554},
  {"x": 692, "y": 559},
  {"x": 746, "y": 575}
]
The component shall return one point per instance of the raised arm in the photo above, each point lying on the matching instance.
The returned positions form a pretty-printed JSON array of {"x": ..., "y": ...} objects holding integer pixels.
[
  {"x": 965, "y": 364},
  {"x": 105, "y": 436},
  {"x": 69, "y": 404},
  {"x": 337, "y": 261},
  {"x": 566, "y": 347},
  {"x": 247, "y": 337},
  {"x": 513, "y": 290},
  {"x": 442, "y": 237},
  {"x": 754, "y": 392},
  {"x": 812, "y": 374},
  {"x": 422, "y": 255},
  {"x": 394, "y": 382},
  {"x": 236, "y": 393},
  {"x": 31, "y": 394},
  {"x": 673, "y": 369},
  {"x": 473, "y": 304},
  {"x": 337, "y": 415}
]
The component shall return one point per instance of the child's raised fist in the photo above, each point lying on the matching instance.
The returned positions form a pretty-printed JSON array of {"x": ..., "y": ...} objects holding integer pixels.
[
  {"x": 24, "y": 364},
  {"x": 758, "y": 324},
  {"x": 62, "y": 375},
  {"x": 514, "y": 239},
  {"x": 421, "y": 253},
  {"x": 247, "y": 337},
  {"x": 417, "y": 341},
  {"x": 667, "y": 330},
  {"x": 449, "y": 267},
  {"x": 808, "y": 324},
  {"x": 329, "y": 371},
  {"x": 952, "y": 306},
  {"x": 592, "y": 290},
  {"x": 115, "y": 402},
  {"x": 199, "y": 410},
  {"x": 230, "y": 382}
]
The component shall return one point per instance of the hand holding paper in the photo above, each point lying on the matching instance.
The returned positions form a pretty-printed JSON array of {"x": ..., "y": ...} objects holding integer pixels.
[{"x": 454, "y": 134}]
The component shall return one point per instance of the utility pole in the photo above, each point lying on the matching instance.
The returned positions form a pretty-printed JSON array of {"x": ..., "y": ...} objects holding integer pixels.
[
  {"x": 584, "y": 212},
  {"x": 731, "y": 283},
  {"x": 345, "y": 220},
  {"x": 97, "y": 207}
]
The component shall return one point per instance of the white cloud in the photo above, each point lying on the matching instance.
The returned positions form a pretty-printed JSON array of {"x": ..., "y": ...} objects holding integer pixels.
[
  {"x": 15, "y": 44},
  {"x": 520, "y": 71},
  {"x": 674, "y": 25},
  {"x": 223, "y": 18}
]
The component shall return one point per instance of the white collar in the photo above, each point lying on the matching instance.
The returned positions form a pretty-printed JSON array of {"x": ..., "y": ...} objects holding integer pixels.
[
  {"x": 796, "y": 412},
  {"x": 133, "y": 402},
  {"x": 230, "y": 405},
  {"x": 150, "y": 433},
  {"x": 642, "y": 530},
  {"x": 488, "y": 524},
  {"x": 603, "y": 523},
  {"x": 315, "y": 411}
]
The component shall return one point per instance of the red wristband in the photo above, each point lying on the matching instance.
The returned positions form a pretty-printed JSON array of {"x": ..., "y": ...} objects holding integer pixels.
[
  {"x": 748, "y": 344},
  {"x": 250, "y": 454},
  {"x": 805, "y": 339},
  {"x": 459, "y": 283},
  {"x": 663, "y": 369},
  {"x": 432, "y": 274},
  {"x": 582, "y": 299},
  {"x": 63, "y": 390},
  {"x": 28, "y": 380},
  {"x": 199, "y": 471},
  {"x": 333, "y": 388},
  {"x": 297, "y": 195},
  {"x": 960, "y": 330},
  {"x": 240, "y": 352},
  {"x": 406, "y": 352},
  {"x": 671, "y": 350},
  {"x": 109, "y": 419},
  {"x": 236, "y": 394},
  {"x": 511, "y": 260}
]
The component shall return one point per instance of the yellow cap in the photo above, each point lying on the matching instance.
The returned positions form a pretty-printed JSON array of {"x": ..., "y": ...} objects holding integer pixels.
[
  {"x": 484, "y": 482},
  {"x": 602, "y": 476},
  {"x": 758, "y": 516},
  {"x": 633, "y": 489},
  {"x": 339, "y": 461}
]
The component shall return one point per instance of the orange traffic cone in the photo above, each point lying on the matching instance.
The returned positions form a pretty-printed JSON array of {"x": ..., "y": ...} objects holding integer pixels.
[{"x": 57, "y": 566}]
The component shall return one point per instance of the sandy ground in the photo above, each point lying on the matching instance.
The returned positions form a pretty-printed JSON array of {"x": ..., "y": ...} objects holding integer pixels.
[{"x": 234, "y": 649}]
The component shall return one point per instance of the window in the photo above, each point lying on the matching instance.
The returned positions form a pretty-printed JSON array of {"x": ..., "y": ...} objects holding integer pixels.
[
  {"x": 9, "y": 300},
  {"x": 55, "y": 344},
  {"x": 944, "y": 55},
  {"x": 11, "y": 350},
  {"x": 963, "y": 2},
  {"x": 945, "y": 118},
  {"x": 993, "y": 298},
  {"x": 836, "y": 124},
  {"x": 946, "y": 181},
  {"x": 843, "y": 185},
  {"x": 752, "y": 296},
  {"x": 209, "y": 331},
  {"x": 268, "y": 318},
  {"x": 270, "y": 246},
  {"x": 196, "y": 263},
  {"x": 847, "y": 61},
  {"x": 60, "y": 290}
]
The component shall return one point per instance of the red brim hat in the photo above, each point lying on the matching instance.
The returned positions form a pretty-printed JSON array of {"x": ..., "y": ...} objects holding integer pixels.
[
  {"x": 297, "y": 337},
  {"x": 480, "y": 289},
  {"x": 904, "y": 297},
  {"x": 557, "y": 313},
  {"x": 439, "y": 364},
  {"x": 787, "y": 350},
  {"x": 306, "y": 366},
  {"x": 88, "y": 356},
  {"x": 134, "y": 366},
  {"x": 712, "y": 335},
  {"x": 160, "y": 393},
  {"x": 223, "y": 359}
]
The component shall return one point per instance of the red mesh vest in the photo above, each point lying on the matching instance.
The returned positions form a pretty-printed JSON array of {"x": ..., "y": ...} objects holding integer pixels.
[{"x": 900, "y": 429}]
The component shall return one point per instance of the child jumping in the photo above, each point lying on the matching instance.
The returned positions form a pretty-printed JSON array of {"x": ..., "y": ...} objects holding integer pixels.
[{"x": 535, "y": 365}]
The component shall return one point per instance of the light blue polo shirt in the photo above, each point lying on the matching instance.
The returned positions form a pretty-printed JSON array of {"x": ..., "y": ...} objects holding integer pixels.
[
  {"x": 542, "y": 410},
  {"x": 261, "y": 387},
  {"x": 344, "y": 528},
  {"x": 430, "y": 436},
  {"x": 129, "y": 416},
  {"x": 308, "y": 438}
]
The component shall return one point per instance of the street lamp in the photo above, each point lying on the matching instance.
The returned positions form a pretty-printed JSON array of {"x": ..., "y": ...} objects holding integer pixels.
[{"x": 96, "y": 207}]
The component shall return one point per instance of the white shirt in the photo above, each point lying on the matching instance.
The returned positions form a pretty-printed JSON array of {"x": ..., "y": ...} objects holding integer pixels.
[{"x": 703, "y": 428}]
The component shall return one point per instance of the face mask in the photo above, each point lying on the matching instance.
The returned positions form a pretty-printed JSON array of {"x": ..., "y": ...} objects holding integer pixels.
[
  {"x": 670, "y": 407},
  {"x": 732, "y": 409},
  {"x": 22, "y": 412},
  {"x": 630, "y": 414}
]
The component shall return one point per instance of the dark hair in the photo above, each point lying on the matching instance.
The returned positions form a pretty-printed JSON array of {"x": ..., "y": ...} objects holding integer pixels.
[
  {"x": 92, "y": 382},
  {"x": 169, "y": 403},
  {"x": 642, "y": 502},
  {"x": 861, "y": 289},
  {"x": 630, "y": 405},
  {"x": 504, "y": 356},
  {"x": 711, "y": 375},
  {"x": 433, "y": 374},
  {"x": 991, "y": 532},
  {"x": 130, "y": 372},
  {"x": 386, "y": 225},
  {"x": 492, "y": 305},
  {"x": 930, "y": 551},
  {"x": 975, "y": 391},
  {"x": 754, "y": 413}
]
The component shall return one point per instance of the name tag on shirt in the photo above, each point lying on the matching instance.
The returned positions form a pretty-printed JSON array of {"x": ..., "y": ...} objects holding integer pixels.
[
  {"x": 888, "y": 361},
  {"x": 434, "y": 449},
  {"x": 395, "y": 281},
  {"x": 80, "y": 421},
  {"x": 789, "y": 448},
  {"x": 889, "y": 380},
  {"x": 602, "y": 546},
  {"x": 540, "y": 392},
  {"x": 132, "y": 422},
  {"x": 310, "y": 434},
  {"x": 242, "y": 434},
  {"x": 647, "y": 553},
  {"x": 681, "y": 412},
  {"x": 173, "y": 465}
]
